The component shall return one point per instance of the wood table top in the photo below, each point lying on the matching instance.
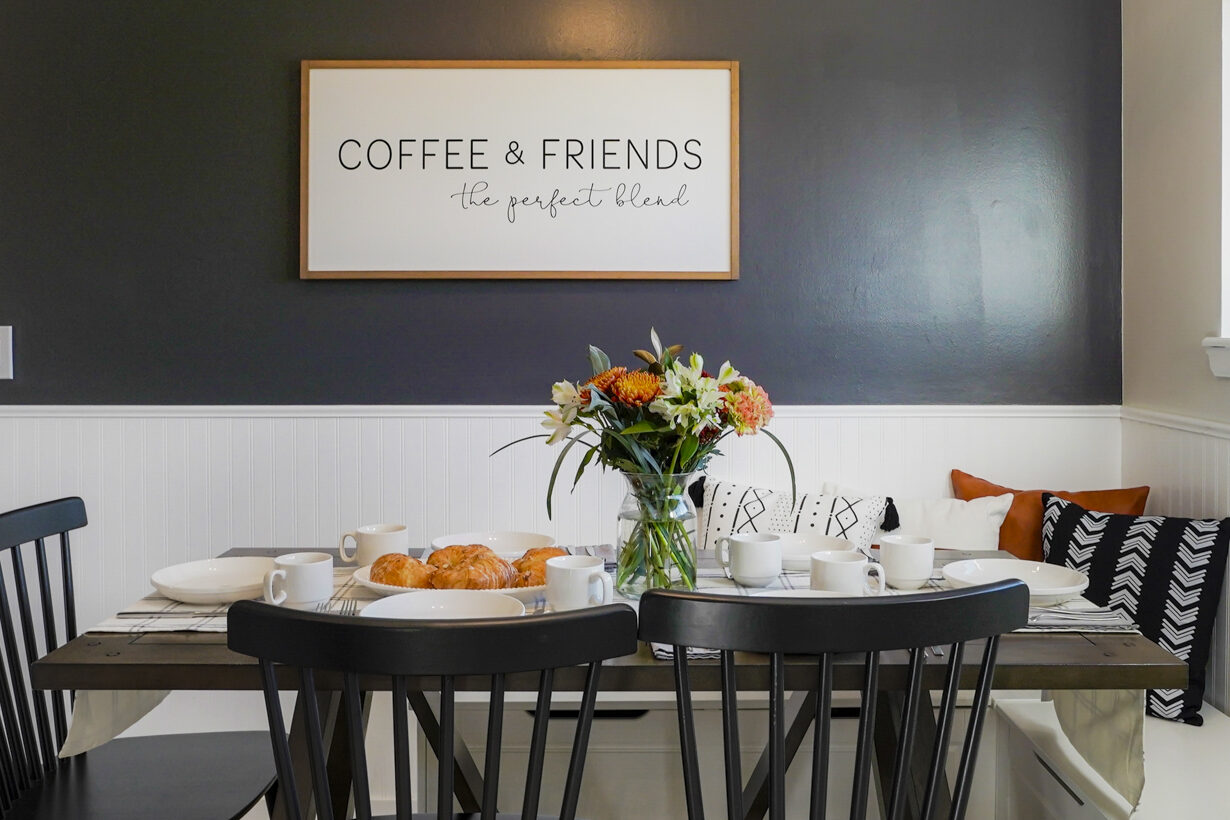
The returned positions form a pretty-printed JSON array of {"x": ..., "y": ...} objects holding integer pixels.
[{"x": 201, "y": 660}]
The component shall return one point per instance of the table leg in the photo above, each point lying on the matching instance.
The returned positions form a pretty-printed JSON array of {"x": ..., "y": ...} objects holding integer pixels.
[
  {"x": 756, "y": 792},
  {"x": 890, "y": 707},
  {"x": 467, "y": 780}
]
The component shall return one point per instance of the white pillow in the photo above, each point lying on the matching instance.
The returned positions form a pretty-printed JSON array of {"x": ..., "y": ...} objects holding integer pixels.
[
  {"x": 735, "y": 508},
  {"x": 949, "y": 522},
  {"x": 955, "y": 524}
]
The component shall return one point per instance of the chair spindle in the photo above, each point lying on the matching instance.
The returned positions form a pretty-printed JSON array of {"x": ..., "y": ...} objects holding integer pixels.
[
  {"x": 821, "y": 738},
  {"x": 730, "y": 737},
  {"x": 315, "y": 744},
  {"x": 777, "y": 737},
  {"x": 401, "y": 747},
  {"x": 281, "y": 746},
  {"x": 580, "y": 743},
  {"x": 538, "y": 746},
  {"x": 25, "y": 722},
  {"x": 866, "y": 731},
  {"x": 687, "y": 735},
  {"x": 58, "y": 712},
  {"x": 905, "y": 739},
  {"x": 973, "y": 733},
  {"x": 495, "y": 737},
  {"x": 943, "y": 730},
  {"x": 445, "y": 756},
  {"x": 353, "y": 703},
  {"x": 42, "y": 721}
]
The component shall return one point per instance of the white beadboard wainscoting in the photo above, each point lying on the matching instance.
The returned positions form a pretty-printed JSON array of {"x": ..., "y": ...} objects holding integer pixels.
[
  {"x": 169, "y": 484},
  {"x": 1187, "y": 463},
  {"x": 164, "y": 485}
]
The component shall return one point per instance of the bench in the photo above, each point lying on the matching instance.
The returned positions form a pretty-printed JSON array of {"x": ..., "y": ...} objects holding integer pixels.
[{"x": 1040, "y": 775}]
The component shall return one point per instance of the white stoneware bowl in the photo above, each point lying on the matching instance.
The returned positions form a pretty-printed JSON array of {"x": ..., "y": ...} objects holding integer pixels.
[
  {"x": 213, "y": 581},
  {"x": 1048, "y": 583}
]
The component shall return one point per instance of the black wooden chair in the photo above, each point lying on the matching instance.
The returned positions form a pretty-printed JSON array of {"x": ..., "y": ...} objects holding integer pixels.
[
  {"x": 822, "y": 628},
  {"x": 210, "y": 776},
  {"x": 403, "y": 656}
]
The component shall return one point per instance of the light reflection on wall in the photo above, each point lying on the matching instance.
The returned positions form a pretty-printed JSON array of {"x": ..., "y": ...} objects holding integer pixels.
[{"x": 600, "y": 29}]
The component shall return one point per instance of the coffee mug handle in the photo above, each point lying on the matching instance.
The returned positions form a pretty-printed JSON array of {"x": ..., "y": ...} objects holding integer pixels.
[
  {"x": 270, "y": 577},
  {"x": 721, "y": 547},
  {"x": 608, "y": 590},
  {"x": 878, "y": 571},
  {"x": 341, "y": 548}
]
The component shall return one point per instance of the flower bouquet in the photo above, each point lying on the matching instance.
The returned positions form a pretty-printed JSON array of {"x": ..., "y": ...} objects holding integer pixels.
[{"x": 657, "y": 425}]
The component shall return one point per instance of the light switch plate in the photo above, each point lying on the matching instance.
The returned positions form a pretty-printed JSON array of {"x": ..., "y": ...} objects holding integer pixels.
[{"x": 6, "y": 352}]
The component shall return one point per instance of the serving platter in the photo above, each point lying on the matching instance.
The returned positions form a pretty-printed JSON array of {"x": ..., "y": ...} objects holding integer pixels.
[
  {"x": 362, "y": 576},
  {"x": 214, "y": 580},
  {"x": 1048, "y": 583}
]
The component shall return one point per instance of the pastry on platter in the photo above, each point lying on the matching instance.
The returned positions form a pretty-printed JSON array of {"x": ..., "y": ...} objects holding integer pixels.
[
  {"x": 400, "y": 570},
  {"x": 532, "y": 567},
  {"x": 470, "y": 566}
]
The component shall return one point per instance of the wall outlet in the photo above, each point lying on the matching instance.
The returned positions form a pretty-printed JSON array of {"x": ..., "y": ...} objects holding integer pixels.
[{"x": 6, "y": 352}]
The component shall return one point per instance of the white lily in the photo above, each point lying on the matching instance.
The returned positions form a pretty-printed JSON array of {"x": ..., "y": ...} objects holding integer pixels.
[
  {"x": 566, "y": 395},
  {"x": 559, "y": 424},
  {"x": 727, "y": 374}
]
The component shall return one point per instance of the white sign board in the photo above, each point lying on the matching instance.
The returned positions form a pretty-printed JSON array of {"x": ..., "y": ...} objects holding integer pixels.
[{"x": 519, "y": 169}]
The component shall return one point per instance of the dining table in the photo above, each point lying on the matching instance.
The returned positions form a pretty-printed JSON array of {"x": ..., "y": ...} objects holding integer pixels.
[{"x": 139, "y": 660}]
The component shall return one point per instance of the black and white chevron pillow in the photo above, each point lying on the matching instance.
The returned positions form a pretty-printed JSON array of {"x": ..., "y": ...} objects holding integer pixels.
[{"x": 1166, "y": 573}]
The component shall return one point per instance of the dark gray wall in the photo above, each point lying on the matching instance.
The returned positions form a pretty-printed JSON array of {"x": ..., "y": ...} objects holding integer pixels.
[{"x": 930, "y": 205}]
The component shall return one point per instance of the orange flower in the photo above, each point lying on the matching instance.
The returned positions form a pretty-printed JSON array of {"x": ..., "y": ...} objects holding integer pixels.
[
  {"x": 637, "y": 388},
  {"x": 603, "y": 382}
]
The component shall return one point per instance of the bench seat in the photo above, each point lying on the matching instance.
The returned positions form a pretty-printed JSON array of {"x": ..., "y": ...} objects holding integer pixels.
[{"x": 1041, "y": 775}]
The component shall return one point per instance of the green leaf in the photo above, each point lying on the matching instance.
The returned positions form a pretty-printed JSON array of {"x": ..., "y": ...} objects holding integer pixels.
[
  {"x": 572, "y": 442},
  {"x": 789, "y": 463},
  {"x": 518, "y": 441},
  {"x": 589, "y": 456},
  {"x": 642, "y": 427},
  {"x": 687, "y": 450},
  {"x": 598, "y": 360}
]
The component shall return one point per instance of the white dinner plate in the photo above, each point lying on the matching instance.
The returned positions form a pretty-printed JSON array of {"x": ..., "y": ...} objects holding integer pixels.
[
  {"x": 213, "y": 581},
  {"x": 803, "y": 593},
  {"x": 501, "y": 541},
  {"x": 363, "y": 576},
  {"x": 1048, "y": 583},
  {"x": 445, "y": 604},
  {"x": 797, "y": 548}
]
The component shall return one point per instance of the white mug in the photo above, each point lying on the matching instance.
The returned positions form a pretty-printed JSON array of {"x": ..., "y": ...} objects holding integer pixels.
[
  {"x": 374, "y": 540},
  {"x": 907, "y": 560},
  {"x": 307, "y": 578},
  {"x": 845, "y": 571},
  {"x": 570, "y": 582},
  {"x": 755, "y": 558}
]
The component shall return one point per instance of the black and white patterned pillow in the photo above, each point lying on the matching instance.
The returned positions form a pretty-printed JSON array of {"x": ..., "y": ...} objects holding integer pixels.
[
  {"x": 1166, "y": 573},
  {"x": 734, "y": 508}
]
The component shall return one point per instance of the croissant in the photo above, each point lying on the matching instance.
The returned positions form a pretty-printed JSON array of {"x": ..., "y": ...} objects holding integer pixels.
[
  {"x": 400, "y": 570},
  {"x": 470, "y": 566},
  {"x": 532, "y": 567}
]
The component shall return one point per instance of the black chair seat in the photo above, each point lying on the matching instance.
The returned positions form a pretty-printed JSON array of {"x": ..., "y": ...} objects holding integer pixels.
[{"x": 156, "y": 777}]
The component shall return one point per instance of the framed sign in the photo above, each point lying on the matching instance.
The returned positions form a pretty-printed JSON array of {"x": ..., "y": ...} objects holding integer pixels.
[{"x": 576, "y": 170}]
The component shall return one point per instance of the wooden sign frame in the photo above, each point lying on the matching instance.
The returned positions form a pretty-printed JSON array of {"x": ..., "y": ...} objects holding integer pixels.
[{"x": 337, "y": 239}]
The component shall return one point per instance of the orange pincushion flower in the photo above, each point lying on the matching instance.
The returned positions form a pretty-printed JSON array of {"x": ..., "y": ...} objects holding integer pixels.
[{"x": 636, "y": 389}]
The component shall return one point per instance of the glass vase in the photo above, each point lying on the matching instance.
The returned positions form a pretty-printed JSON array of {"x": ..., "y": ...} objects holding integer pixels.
[{"x": 657, "y": 534}]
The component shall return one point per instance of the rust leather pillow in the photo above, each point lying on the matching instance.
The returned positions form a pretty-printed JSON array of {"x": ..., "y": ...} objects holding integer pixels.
[{"x": 1021, "y": 532}]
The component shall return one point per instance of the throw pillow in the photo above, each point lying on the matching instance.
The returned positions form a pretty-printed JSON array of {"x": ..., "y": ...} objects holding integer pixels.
[
  {"x": 950, "y": 522},
  {"x": 1166, "y": 573},
  {"x": 1021, "y": 533},
  {"x": 735, "y": 508}
]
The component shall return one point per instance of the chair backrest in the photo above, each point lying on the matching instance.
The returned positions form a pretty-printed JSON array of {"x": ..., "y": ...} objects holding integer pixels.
[
  {"x": 34, "y": 723},
  {"x": 823, "y": 628},
  {"x": 398, "y": 655}
]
